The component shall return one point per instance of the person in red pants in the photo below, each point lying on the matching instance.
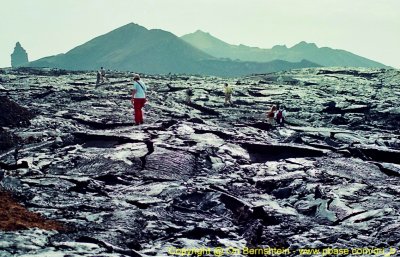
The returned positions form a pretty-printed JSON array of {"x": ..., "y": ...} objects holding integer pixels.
[{"x": 138, "y": 98}]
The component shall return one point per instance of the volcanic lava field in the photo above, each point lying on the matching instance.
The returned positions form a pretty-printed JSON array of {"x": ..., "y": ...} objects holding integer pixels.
[{"x": 201, "y": 175}]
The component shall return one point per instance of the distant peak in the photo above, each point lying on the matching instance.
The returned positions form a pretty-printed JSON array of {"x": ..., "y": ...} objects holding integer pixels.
[
  {"x": 132, "y": 26},
  {"x": 305, "y": 45},
  {"x": 200, "y": 35},
  {"x": 200, "y": 32}
]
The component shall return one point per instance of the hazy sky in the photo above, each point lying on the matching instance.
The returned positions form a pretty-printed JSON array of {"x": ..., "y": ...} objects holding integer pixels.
[{"x": 370, "y": 28}]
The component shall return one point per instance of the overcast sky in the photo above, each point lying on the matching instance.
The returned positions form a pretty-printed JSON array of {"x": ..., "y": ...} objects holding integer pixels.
[{"x": 370, "y": 28}]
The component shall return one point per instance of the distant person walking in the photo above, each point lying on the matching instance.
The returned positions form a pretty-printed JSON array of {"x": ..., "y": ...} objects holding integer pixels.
[
  {"x": 103, "y": 74},
  {"x": 189, "y": 94},
  {"x": 98, "y": 78},
  {"x": 138, "y": 98},
  {"x": 228, "y": 94}
]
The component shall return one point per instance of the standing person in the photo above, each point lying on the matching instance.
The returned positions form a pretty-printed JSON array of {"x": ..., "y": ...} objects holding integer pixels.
[
  {"x": 138, "y": 98},
  {"x": 228, "y": 94},
  {"x": 103, "y": 74},
  {"x": 98, "y": 78},
  {"x": 271, "y": 115},
  {"x": 189, "y": 94}
]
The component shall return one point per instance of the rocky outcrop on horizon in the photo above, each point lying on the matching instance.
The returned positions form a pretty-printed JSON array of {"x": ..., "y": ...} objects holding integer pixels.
[
  {"x": 19, "y": 57},
  {"x": 204, "y": 174}
]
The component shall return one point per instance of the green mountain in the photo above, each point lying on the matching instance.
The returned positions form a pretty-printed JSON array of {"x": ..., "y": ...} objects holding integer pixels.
[
  {"x": 324, "y": 56},
  {"x": 135, "y": 48},
  {"x": 130, "y": 47}
]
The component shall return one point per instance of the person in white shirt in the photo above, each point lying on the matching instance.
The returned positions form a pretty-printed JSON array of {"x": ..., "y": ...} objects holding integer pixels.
[{"x": 138, "y": 98}]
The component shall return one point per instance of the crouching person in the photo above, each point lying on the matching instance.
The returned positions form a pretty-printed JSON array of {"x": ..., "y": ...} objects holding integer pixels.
[{"x": 280, "y": 116}]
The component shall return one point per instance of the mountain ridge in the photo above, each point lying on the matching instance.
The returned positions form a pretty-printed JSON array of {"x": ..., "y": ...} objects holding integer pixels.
[
  {"x": 133, "y": 47},
  {"x": 324, "y": 56}
]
